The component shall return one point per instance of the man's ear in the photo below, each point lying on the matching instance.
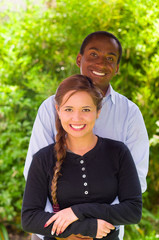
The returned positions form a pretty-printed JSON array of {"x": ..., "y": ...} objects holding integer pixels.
[
  {"x": 117, "y": 69},
  {"x": 78, "y": 60}
]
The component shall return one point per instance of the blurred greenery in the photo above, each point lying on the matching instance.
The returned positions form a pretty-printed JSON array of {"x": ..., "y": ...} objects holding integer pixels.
[
  {"x": 3, "y": 232},
  {"x": 38, "y": 48}
]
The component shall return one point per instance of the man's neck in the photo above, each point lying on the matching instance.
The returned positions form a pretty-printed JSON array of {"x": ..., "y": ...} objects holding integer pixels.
[{"x": 107, "y": 91}]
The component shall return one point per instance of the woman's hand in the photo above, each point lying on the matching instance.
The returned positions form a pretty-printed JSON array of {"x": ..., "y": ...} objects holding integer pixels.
[
  {"x": 103, "y": 228},
  {"x": 62, "y": 220}
]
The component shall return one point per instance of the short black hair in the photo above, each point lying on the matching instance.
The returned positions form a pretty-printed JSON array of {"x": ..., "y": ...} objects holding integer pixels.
[{"x": 100, "y": 33}]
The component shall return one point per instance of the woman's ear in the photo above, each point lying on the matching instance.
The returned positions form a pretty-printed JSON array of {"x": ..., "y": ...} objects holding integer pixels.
[
  {"x": 57, "y": 108},
  {"x": 98, "y": 113}
]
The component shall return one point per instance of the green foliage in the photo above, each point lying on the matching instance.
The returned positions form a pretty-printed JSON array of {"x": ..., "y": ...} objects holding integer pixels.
[
  {"x": 38, "y": 49},
  {"x": 155, "y": 139},
  {"x": 154, "y": 165},
  {"x": 144, "y": 229},
  {"x": 3, "y": 232}
]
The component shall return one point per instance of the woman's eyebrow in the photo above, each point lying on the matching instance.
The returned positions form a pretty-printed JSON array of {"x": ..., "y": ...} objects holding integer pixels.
[
  {"x": 67, "y": 107},
  {"x": 87, "y": 107}
]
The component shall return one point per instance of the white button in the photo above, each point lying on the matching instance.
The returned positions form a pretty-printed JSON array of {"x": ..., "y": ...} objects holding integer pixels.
[
  {"x": 85, "y": 184},
  {"x": 84, "y": 175},
  {"x": 83, "y": 169},
  {"x": 86, "y": 192},
  {"x": 81, "y": 161}
]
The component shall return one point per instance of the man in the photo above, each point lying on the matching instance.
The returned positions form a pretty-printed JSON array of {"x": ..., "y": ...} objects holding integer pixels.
[{"x": 120, "y": 119}]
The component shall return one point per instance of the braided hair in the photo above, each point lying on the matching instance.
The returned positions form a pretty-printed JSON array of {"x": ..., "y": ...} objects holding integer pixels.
[{"x": 74, "y": 84}]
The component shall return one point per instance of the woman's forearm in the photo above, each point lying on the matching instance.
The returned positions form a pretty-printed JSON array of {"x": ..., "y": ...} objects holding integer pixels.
[
  {"x": 119, "y": 214},
  {"x": 35, "y": 221}
]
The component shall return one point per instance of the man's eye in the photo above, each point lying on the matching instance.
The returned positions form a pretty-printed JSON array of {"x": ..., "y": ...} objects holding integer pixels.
[
  {"x": 110, "y": 59},
  {"x": 93, "y": 54}
]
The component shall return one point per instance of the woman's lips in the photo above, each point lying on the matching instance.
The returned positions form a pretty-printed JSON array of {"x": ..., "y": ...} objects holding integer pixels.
[{"x": 77, "y": 127}]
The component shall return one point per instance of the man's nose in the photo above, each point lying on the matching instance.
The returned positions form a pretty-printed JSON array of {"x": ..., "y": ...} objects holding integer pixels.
[{"x": 101, "y": 61}]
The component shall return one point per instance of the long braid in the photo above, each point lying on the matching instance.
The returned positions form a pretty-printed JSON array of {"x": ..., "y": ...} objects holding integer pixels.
[{"x": 60, "y": 152}]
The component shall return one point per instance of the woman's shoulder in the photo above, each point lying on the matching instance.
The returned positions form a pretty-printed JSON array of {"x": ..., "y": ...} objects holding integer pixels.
[
  {"x": 110, "y": 141},
  {"x": 45, "y": 155},
  {"x": 45, "y": 150},
  {"x": 112, "y": 144},
  {"x": 117, "y": 150}
]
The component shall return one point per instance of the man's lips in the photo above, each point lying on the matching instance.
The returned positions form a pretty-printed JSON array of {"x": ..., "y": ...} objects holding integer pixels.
[
  {"x": 99, "y": 73},
  {"x": 77, "y": 126}
]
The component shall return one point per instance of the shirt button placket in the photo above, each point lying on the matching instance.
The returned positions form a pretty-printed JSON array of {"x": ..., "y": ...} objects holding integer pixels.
[{"x": 84, "y": 176}]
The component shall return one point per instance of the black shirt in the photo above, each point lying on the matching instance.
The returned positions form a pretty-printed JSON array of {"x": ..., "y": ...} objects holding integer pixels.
[{"x": 88, "y": 185}]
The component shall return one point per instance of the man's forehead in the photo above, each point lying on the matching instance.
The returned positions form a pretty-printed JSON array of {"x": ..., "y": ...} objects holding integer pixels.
[
  {"x": 100, "y": 37},
  {"x": 100, "y": 50},
  {"x": 107, "y": 44}
]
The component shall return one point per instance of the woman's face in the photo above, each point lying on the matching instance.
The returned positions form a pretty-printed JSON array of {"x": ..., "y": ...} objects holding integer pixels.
[{"x": 78, "y": 114}]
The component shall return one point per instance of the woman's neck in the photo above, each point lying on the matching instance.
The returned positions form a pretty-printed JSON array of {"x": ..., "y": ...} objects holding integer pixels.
[{"x": 81, "y": 146}]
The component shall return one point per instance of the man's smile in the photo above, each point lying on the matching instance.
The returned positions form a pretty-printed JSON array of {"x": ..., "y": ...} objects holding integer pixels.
[{"x": 99, "y": 73}]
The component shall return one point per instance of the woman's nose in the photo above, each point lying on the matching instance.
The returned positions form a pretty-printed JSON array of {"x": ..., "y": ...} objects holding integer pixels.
[{"x": 76, "y": 116}]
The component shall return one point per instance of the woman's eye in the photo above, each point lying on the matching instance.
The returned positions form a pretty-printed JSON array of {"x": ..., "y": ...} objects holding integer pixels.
[
  {"x": 68, "y": 110},
  {"x": 86, "y": 110}
]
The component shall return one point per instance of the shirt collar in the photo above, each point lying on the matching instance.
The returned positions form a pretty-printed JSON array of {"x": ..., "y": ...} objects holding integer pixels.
[{"x": 110, "y": 92}]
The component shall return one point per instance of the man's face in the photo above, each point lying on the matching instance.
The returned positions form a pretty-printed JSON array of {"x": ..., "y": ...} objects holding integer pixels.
[{"x": 99, "y": 61}]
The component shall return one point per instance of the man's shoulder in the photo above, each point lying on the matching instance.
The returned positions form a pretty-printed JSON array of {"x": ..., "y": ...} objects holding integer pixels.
[
  {"x": 122, "y": 100},
  {"x": 50, "y": 101},
  {"x": 47, "y": 108}
]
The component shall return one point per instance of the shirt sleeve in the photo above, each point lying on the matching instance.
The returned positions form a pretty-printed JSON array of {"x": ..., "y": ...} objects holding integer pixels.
[
  {"x": 138, "y": 144},
  {"x": 43, "y": 132},
  {"x": 129, "y": 210},
  {"x": 33, "y": 215}
]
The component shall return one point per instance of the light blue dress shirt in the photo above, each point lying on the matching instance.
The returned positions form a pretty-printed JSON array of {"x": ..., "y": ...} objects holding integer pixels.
[{"x": 120, "y": 119}]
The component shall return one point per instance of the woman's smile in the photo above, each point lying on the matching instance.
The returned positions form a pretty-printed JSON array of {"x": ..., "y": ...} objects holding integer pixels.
[{"x": 77, "y": 126}]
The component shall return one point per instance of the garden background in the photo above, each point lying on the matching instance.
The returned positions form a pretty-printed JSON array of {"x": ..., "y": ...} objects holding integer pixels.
[{"x": 38, "y": 48}]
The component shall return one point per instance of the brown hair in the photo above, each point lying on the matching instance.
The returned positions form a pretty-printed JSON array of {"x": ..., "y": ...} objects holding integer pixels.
[{"x": 73, "y": 83}]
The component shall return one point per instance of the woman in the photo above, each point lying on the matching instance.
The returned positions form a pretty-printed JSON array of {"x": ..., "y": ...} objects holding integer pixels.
[{"x": 81, "y": 173}]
